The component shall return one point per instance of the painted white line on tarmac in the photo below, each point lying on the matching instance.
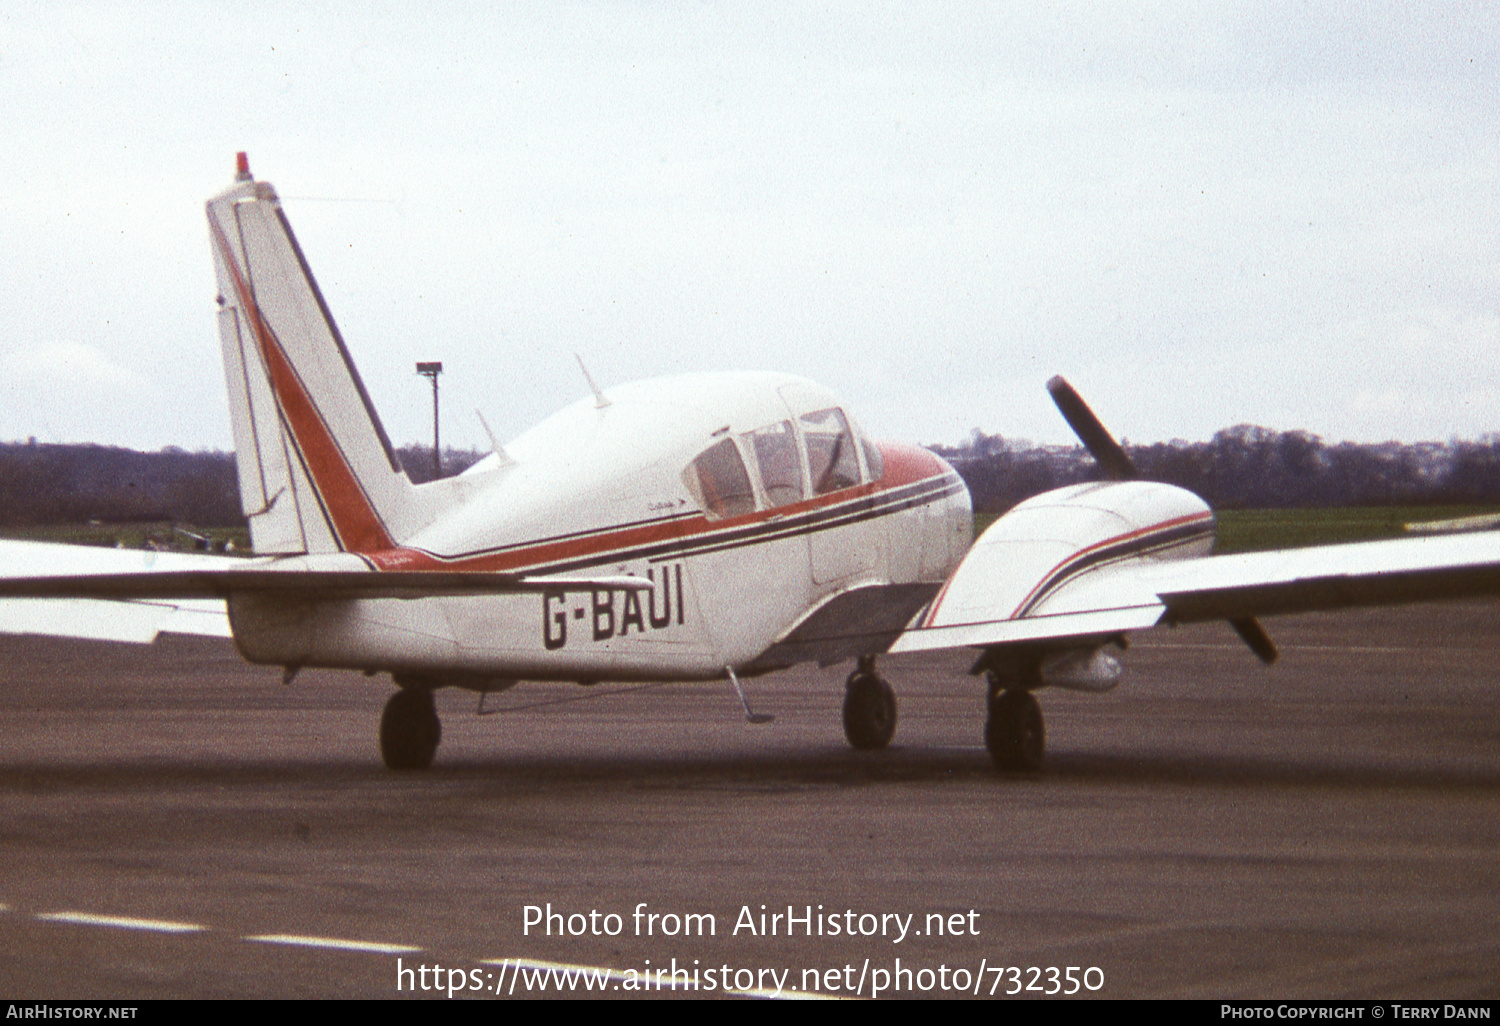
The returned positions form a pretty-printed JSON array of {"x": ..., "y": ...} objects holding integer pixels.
[
  {"x": 791, "y": 995},
  {"x": 333, "y": 943},
  {"x": 595, "y": 972},
  {"x": 640, "y": 979},
  {"x": 120, "y": 922}
]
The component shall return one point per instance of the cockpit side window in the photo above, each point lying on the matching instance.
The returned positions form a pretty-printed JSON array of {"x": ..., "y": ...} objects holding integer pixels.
[
  {"x": 775, "y": 448},
  {"x": 719, "y": 481},
  {"x": 831, "y": 457}
]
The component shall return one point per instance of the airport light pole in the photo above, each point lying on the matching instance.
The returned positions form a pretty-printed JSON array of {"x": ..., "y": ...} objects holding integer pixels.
[{"x": 431, "y": 370}]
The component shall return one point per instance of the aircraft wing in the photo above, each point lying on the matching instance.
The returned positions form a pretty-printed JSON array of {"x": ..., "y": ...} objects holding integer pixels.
[
  {"x": 129, "y": 595},
  {"x": 977, "y": 608},
  {"x": 1086, "y": 563},
  {"x": 1330, "y": 577}
]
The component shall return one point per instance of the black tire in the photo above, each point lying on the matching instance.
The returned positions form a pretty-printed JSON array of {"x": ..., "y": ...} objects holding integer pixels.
[
  {"x": 410, "y": 730},
  {"x": 869, "y": 712},
  {"x": 1014, "y": 732}
]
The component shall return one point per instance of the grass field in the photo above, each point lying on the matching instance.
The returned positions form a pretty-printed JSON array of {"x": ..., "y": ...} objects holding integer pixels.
[{"x": 1251, "y": 530}]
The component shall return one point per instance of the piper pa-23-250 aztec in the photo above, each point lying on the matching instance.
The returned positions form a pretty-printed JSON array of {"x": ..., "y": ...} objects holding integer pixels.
[{"x": 691, "y": 528}]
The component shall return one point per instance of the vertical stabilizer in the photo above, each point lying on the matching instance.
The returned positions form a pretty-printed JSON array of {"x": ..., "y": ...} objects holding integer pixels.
[{"x": 317, "y": 472}]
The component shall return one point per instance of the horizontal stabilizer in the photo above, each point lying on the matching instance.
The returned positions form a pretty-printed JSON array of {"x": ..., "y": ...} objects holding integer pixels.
[
  {"x": 76, "y": 616},
  {"x": 78, "y": 591},
  {"x": 134, "y": 622}
]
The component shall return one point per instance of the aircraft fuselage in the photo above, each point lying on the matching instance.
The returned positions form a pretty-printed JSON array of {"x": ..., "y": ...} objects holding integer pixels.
[{"x": 747, "y": 500}]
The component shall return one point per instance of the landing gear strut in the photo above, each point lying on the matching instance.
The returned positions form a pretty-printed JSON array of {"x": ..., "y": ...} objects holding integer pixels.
[
  {"x": 410, "y": 730},
  {"x": 869, "y": 708},
  {"x": 1014, "y": 732}
]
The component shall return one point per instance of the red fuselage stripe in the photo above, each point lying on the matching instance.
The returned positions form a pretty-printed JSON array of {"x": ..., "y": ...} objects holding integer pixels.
[{"x": 566, "y": 549}]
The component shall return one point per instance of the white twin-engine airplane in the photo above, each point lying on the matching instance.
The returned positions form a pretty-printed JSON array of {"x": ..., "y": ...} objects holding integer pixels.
[{"x": 690, "y": 528}]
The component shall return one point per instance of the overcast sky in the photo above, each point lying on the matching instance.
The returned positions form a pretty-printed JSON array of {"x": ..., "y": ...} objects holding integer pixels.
[{"x": 1285, "y": 214}]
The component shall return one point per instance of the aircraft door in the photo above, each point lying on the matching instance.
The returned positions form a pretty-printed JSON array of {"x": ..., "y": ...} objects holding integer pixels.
[
  {"x": 844, "y": 545},
  {"x": 756, "y": 582}
]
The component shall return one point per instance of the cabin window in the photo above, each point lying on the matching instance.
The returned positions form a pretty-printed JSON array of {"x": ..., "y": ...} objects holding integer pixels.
[
  {"x": 775, "y": 448},
  {"x": 832, "y": 460},
  {"x": 720, "y": 483}
]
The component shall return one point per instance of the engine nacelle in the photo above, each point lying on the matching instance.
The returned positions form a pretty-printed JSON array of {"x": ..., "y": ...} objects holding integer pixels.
[{"x": 1053, "y": 553}]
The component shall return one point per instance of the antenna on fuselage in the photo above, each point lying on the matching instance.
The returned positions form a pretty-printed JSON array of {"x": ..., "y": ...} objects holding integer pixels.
[
  {"x": 599, "y": 401},
  {"x": 505, "y": 459}
]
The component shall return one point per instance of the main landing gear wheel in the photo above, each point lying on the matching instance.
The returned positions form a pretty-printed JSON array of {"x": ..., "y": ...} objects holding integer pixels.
[
  {"x": 869, "y": 712},
  {"x": 1014, "y": 732},
  {"x": 409, "y": 730}
]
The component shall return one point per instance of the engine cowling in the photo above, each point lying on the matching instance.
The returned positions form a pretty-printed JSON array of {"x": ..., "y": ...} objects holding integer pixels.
[{"x": 1053, "y": 553}]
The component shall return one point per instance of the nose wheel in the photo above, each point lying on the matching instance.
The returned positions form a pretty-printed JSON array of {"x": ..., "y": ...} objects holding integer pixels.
[
  {"x": 869, "y": 709},
  {"x": 410, "y": 730}
]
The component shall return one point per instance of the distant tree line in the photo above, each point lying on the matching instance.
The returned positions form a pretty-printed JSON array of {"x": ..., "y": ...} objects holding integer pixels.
[
  {"x": 43, "y": 484},
  {"x": 1247, "y": 467},
  {"x": 1239, "y": 468},
  {"x": 74, "y": 484}
]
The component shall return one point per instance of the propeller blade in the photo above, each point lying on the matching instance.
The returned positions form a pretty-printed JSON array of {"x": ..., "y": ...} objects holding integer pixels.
[
  {"x": 1118, "y": 466},
  {"x": 1107, "y": 452},
  {"x": 1256, "y": 639}
]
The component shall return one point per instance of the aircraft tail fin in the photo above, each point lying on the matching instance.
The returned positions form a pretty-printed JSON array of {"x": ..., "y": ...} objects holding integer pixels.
[{"x": 317, "y": 471}]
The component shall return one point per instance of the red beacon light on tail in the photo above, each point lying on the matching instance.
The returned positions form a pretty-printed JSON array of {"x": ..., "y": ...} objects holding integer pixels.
[{"x": 242, "y": 167}]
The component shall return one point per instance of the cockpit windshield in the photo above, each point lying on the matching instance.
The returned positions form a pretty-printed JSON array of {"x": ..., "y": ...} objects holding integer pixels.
[
  {"x": 781, "y": 463},
  {"x": 775, "y": 448}
]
